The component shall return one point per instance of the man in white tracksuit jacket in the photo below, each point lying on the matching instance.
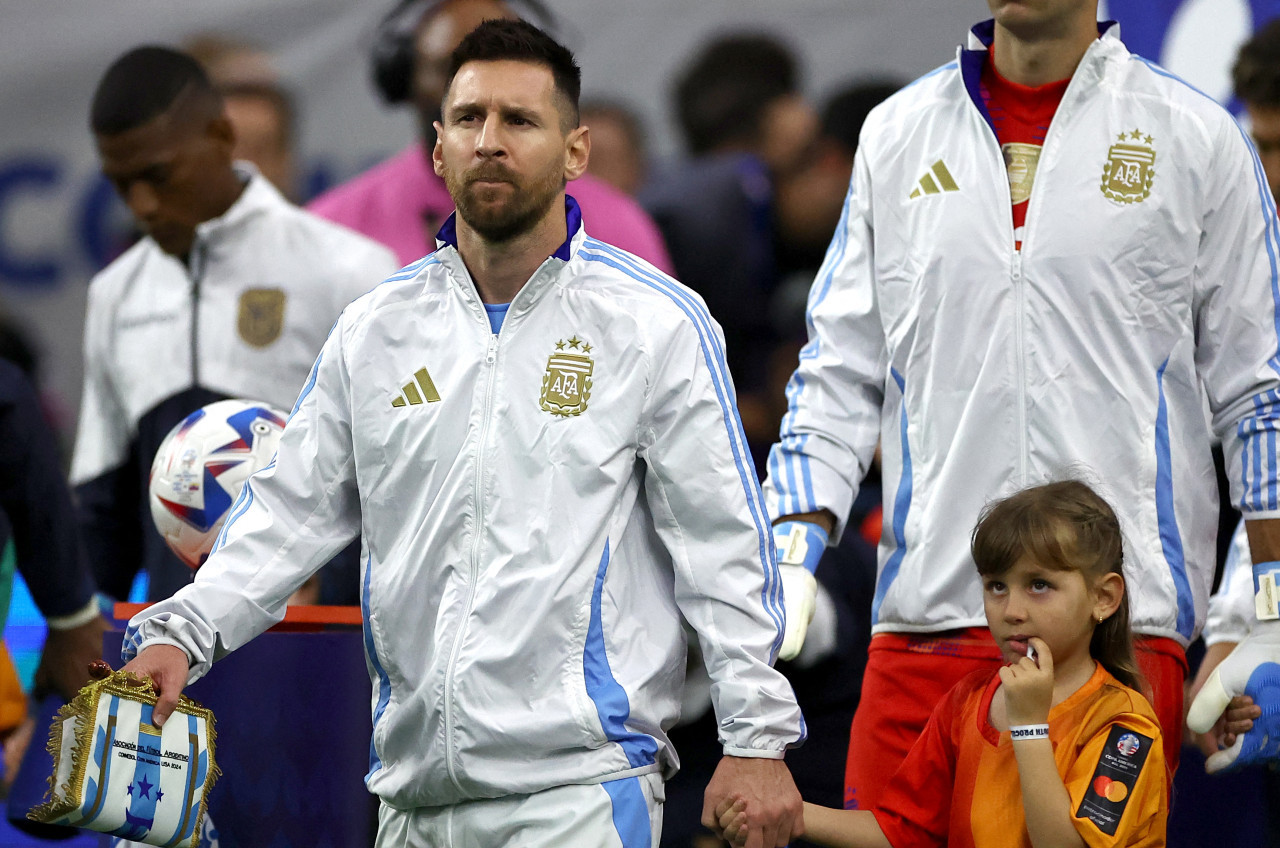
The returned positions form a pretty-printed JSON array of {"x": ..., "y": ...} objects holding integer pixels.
[
  {"x": 984, "y": 359},
  {"x": 534, "y": 433},
  {"x": 230, "y": 293}
]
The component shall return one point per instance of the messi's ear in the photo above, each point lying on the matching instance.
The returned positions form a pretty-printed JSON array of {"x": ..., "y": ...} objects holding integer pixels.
[
  {"x": 437, "y": 152},
  {"x": 577, "y": 151}
]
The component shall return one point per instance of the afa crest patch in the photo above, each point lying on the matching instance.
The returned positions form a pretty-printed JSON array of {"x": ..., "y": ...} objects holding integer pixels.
[
  {"x": 566, "y": 384},
  {"x": 1129, "y": 171},
  {"x": 261, "y": 317}
]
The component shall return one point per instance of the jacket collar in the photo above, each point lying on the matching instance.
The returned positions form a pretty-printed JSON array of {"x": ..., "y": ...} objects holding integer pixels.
[
  {"x": 447, "y": 249},
  {"x": 258, "y": 195},
  {"x": 448, "y": 233},
  {"x": 973, "y": 57}
]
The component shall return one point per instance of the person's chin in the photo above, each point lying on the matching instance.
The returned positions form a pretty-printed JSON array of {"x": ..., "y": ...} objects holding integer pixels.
[{"x": 172, "y": 246}]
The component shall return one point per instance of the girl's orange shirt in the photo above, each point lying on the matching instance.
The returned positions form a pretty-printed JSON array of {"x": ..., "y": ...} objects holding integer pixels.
[{"x": 959, "y": 785}]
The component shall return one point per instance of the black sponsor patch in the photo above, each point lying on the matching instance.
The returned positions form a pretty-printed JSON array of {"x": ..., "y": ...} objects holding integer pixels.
[{"x": 1114, "y": 778}]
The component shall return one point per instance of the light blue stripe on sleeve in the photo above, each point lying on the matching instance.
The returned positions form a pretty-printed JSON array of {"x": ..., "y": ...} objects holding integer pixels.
[
  {"x": 311, "y": 381},
  {"x": 795, "y": 386},
  {"x": 242, "y": 503},
  {"x": 411, "y": 270},
  {"x": 1266, "y": 489}
]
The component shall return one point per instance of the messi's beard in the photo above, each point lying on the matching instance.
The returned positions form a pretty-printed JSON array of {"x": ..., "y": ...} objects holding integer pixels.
[{"x": 502, "y": 222}]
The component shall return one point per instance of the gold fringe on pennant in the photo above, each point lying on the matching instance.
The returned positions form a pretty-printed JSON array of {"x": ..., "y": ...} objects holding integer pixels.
[{"x": 62, "y": 801}]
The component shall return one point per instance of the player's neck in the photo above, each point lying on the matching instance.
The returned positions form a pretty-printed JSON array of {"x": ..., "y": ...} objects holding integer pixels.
[
  {"x": 1042, "y": 60},
  {"x": 501, "y": 268}
]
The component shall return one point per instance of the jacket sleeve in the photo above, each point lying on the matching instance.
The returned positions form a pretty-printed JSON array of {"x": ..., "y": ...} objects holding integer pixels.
[
  {"x": 34, "y": 496},
  {"x": 828, "y": 436},
  {"x": 290, "y": 518},
  {"x": 104, "y": 471},
  {"x": 1237, "y": 316},
  {"x": 709, "y": 512}
]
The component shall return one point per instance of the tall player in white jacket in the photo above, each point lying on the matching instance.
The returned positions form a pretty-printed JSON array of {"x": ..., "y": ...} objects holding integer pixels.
[
  {"x": 985, "y": 355},
  {"x": 534, "y": 434}
]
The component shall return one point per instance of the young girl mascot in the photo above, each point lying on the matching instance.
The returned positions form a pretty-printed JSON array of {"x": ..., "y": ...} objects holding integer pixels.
[{"x": 1059, "y": 748}]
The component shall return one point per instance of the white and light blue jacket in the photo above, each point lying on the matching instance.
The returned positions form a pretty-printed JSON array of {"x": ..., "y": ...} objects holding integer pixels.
[
  {"x": 525, "y": 572},
  {"x": 1145, "y": 293}
]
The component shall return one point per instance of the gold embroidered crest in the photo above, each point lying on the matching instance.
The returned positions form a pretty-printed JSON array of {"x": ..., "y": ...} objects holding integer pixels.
[
  {"x": 1130, "y": 168},
  {"x": 261, "y": 316},
  {"x": 566, "y": 385},
  {"x": 1020, "y": 162}
]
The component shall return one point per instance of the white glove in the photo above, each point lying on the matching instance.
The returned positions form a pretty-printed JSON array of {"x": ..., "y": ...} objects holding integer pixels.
[
  {"x": 1252, "y": 669},
  {"x": 800, "y": 545}
]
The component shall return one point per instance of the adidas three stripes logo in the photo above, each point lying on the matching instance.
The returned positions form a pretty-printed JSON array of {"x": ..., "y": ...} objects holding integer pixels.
[
  {"x": 410, "y": 394},
  {"x": 935, "y": 181}
]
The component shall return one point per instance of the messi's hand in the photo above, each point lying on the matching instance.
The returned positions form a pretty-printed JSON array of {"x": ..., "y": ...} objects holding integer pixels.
[
  {"x": 1252, "y": 669},
  {"x": 800, "y": 545}
]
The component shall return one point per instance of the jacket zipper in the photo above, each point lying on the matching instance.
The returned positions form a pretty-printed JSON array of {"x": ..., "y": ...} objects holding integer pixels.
[
  {"x": 1019, "y": 291},
  {"x": 490, "y": 360},
  {"x": 197, "y": 273},
  {"x": 1015, "y": 266}
]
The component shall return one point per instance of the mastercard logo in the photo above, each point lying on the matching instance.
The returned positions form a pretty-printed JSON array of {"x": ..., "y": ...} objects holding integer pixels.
[{"x": 1113, "y": 790}]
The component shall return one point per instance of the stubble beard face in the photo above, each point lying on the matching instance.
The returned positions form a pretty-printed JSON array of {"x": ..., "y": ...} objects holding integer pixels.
[{"x": 502, "y": 222}]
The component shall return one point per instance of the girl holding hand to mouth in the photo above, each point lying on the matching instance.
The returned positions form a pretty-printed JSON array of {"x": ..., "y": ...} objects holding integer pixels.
[{"x": 1060, "y": 747}]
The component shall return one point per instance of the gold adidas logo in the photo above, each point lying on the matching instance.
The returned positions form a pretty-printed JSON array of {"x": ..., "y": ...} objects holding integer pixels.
[
  {"x": 928, "y": 185},
  {"x": 410, "y": 396}
]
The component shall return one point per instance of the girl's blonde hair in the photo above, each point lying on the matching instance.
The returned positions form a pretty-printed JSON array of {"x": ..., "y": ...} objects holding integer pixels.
[{"x": 1065, "y": 526}]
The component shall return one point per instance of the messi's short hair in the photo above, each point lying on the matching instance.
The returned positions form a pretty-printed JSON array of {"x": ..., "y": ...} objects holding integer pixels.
[{"x": 521, "y": 41}]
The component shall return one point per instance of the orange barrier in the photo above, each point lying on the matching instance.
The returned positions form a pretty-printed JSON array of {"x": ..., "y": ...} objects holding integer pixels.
[{"x": 296, "y": 618}]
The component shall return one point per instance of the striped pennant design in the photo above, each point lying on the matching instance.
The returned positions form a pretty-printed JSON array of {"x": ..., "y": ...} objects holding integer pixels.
[{"x": 115, "y": 772}]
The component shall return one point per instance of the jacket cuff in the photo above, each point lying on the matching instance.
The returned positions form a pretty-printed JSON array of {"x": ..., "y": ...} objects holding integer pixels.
[{"x": 753, "y": 753}]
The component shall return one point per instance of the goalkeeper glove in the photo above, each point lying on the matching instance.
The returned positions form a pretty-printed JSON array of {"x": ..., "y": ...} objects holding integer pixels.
[
  {"x": 800, "y": 545},
  {"x": 1252, "y": 669}
]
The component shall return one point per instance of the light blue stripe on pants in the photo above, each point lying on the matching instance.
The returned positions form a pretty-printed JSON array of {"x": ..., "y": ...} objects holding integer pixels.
[{"x": 624, "y": 813}]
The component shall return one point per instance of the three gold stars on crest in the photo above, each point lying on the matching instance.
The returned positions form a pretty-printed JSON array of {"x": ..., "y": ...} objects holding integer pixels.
[
  {"x": 575, "y": 343},
  {"x": 1135, "y": 135}
]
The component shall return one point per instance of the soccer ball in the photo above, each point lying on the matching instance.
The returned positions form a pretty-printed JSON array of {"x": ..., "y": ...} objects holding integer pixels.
[{"x": 202, "y": 465}]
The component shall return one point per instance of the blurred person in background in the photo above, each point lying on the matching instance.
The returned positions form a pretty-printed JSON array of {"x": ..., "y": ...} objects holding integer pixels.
[
  {"x": 401, "y": 202},
  {"x": 1256, "y": 78},
  {"x": 261, "y": 109},
  {"x": 618, "y": 154},
  {"x": 808, "y": 200},
  {"x": 827, "y": 674},
  {"x": 229, "y": 294},
  {"x": 39, "y": 537},
  {"x": 746, "y": 126}
]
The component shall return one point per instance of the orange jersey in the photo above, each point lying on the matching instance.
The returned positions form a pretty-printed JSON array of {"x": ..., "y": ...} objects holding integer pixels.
[{"x": 959, "y": 785}]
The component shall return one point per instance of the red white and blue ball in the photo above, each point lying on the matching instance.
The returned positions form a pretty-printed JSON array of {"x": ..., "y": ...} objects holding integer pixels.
[{"x": 201, "y": 467}]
